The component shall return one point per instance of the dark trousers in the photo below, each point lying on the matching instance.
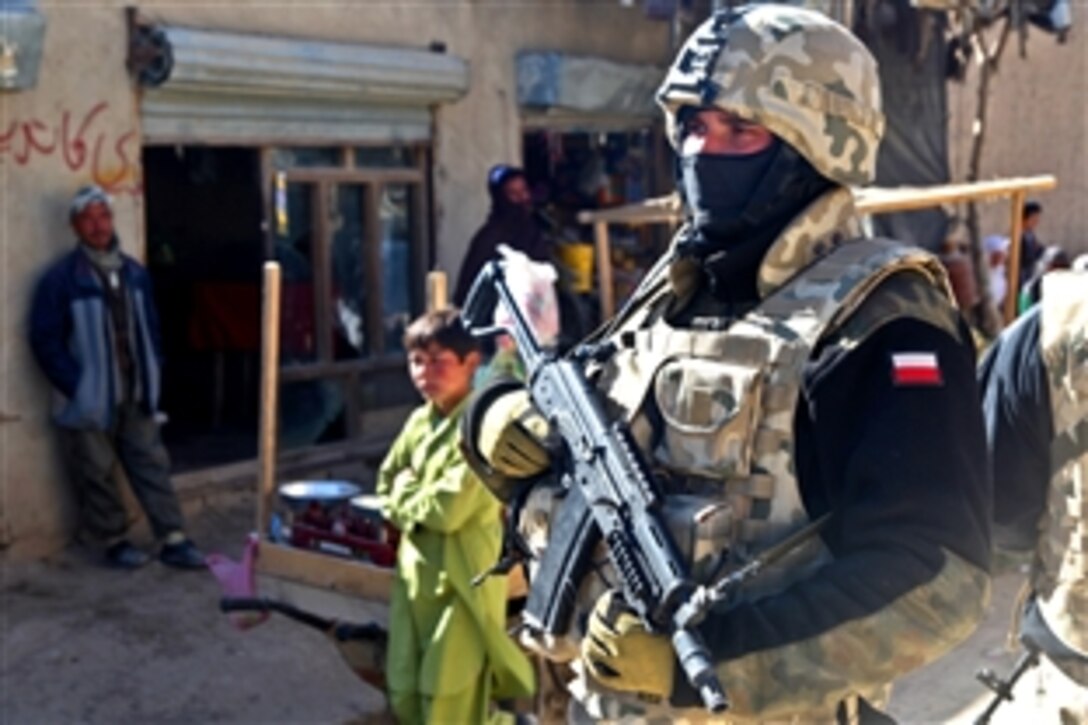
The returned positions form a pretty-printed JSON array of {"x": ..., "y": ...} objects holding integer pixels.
[{"x": 132, "y": 442}]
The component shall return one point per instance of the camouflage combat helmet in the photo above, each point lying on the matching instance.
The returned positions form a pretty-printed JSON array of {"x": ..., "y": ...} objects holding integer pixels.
[{"x": 798, "y": 73}]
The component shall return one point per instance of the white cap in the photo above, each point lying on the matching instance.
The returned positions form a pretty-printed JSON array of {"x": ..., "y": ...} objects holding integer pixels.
[
  {"x": 87, "y": 195},
  {"x": 995, "y": 243}
]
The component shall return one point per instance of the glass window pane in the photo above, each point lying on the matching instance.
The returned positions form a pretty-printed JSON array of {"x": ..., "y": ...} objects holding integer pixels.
[
  {"x": 396, "y": 209},
  {"x": 307, "y": 157},
  {"x": 349, "y": 265},
  {"x": 311, "y": 412},
  {"x": 294, "y": 251},
  {"x": 385, "y": 156}
]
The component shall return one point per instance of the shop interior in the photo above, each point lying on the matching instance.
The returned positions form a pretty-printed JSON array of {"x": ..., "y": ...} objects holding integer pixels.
[
  {"x": 348, "y": 243},
  {"x": 204, "y": 252},
  {"x": 573, "y": 170}
]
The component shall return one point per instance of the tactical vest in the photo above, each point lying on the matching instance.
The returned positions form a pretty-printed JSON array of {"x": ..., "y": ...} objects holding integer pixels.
[
  {"x": 713, "y": 409},
  {"x": 1060, "y": 569}
]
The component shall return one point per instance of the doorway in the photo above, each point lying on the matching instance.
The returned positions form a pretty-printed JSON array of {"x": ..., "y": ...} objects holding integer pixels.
[{"x": 204, "y": 251}]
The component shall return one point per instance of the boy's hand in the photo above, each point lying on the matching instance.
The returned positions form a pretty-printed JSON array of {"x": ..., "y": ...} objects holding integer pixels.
[
  {"x": 403, "y": 481},
  {"x": 403, "y": 486}
]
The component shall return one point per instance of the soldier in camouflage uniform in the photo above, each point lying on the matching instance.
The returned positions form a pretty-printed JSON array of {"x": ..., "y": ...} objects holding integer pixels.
[
  {"x": 776, "y": 366},
  {"x": 1034, "y": 382}
]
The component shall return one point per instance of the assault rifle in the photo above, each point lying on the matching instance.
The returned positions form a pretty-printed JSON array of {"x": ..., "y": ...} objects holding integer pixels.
[{"x": 610, "y": 495}]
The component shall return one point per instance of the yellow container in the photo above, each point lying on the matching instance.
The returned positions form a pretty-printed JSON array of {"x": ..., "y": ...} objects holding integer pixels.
[{"x": 578, "y": 260}]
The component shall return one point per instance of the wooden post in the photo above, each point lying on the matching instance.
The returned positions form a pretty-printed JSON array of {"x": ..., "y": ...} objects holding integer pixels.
[
  {"x": 1016, "y": 230},
  {"x": 604, "y": 269},
  {"x": 270, "y": 378},
  {"x": 437, "y": 297}
]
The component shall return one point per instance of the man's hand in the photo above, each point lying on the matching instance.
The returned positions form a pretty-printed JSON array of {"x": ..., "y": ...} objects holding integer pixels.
[
  {"x": 509, "y": 434},
  {"x": 622, "y": 655}
]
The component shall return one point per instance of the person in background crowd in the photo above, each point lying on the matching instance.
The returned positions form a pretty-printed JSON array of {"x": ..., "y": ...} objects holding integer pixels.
[
  {"x": 775, "y": 366},
  {"x": 1052, "y": 258},
  {"x": 511, "y": 222},
  {"x": 94, "y": 332},
  {"x": 1034, "y": 382},
  {"x": 997, "y": 248},
  {"x": 449, "y": 655},
  {"x": 1031, "y": 249}
]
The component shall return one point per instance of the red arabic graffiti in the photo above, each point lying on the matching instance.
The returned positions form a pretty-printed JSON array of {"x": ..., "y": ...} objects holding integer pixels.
[{"x": 83, "y": 143}]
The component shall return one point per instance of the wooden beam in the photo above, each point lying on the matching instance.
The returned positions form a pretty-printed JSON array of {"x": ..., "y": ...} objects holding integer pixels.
[
  {"x": 879, "y": 200},
  {"x": 1015, "y": 255},
  {"x": 372, "y": 268},
  {"x": 324, "y": 571},
  {"x": 269, "y": 413},
  {"x": 437, "y": 297},
  {"x": 356, "y": 176},
  {"x": 604, "y": 269},
  {"x": 299, "y": 372},
  {"x": 652, "y": 211},
  {"x": 321, "y": 268},
  {"x": 869, "y": 200},
  {"x": 298, "y": 463}
]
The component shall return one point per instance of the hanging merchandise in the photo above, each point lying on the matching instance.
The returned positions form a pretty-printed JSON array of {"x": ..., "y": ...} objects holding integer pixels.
[{"x": 282, "y": 225}]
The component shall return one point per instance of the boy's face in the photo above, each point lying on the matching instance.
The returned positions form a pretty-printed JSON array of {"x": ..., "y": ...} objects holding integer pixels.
[{"x": 440, "y": 376}]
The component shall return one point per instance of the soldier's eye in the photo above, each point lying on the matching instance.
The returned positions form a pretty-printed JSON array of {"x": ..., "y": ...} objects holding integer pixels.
[{"x": 695, "y": 128}]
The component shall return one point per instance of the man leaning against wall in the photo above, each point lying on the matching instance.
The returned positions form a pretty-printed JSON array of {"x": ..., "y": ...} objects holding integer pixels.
[{"x": 94, "y": 332}]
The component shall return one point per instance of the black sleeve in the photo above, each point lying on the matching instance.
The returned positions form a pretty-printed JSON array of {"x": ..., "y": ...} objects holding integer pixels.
[
  {"x": 902, "y": 469},
  {"x": 1019, "y": 429},
  {"x": 481, "y": 249}
]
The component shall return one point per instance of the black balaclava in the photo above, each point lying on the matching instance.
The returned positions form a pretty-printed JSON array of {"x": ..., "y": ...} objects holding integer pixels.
[{"x": 739, "y": 205}]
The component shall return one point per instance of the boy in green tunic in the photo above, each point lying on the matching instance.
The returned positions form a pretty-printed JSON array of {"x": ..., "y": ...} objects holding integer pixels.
[{"x": 449, "y": 655}]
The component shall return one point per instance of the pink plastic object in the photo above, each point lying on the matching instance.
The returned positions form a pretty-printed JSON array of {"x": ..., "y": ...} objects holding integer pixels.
[{"x": 236, "y": 580}]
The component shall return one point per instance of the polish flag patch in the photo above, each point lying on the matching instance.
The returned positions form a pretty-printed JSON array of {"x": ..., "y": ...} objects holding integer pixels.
[{"x": 916, "y": 368}]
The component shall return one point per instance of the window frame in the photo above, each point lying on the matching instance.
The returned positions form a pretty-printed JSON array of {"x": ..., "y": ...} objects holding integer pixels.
[{"x": 324, "y": 181}]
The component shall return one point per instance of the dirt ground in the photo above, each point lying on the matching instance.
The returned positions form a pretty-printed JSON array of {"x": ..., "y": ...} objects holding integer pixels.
[{"x": 84, "y": 644}]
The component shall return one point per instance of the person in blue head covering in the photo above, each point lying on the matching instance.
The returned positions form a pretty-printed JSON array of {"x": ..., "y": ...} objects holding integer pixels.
[{"x": 511, "y": 222}]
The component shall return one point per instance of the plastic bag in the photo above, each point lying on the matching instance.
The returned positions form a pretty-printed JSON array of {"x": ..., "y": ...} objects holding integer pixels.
[{"x": 533, "y": 285}]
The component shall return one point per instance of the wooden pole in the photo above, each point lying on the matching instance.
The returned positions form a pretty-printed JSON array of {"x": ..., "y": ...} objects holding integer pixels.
[
  {"x": 437, "y": 296},
  {"x": 604, "y": 269},
  {"x": 270, "y": 368},
  {"x": 1016, "y": 253}
]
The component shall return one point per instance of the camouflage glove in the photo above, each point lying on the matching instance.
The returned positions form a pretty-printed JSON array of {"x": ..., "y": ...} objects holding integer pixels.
[
  {"x": 505, "y": 434},
  {"x": 620, "y": 654}
]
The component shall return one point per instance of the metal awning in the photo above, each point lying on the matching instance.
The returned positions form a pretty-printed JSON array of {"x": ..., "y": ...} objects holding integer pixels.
[
  {"x": 211, "y": 86},
  {"x": 557, "y": 88}
]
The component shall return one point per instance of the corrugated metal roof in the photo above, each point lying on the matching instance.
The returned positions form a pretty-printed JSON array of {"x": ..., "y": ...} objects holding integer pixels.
[{"x": 245, "y": 88}]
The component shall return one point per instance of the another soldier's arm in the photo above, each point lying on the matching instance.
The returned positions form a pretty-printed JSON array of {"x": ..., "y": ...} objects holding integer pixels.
[
  {"x": 902, "y": 468},
  {"x": 1019, "y": 428}
]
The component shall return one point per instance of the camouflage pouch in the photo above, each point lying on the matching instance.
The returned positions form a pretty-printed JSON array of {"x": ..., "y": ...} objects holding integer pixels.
[{"x": 710, "y": 409}]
